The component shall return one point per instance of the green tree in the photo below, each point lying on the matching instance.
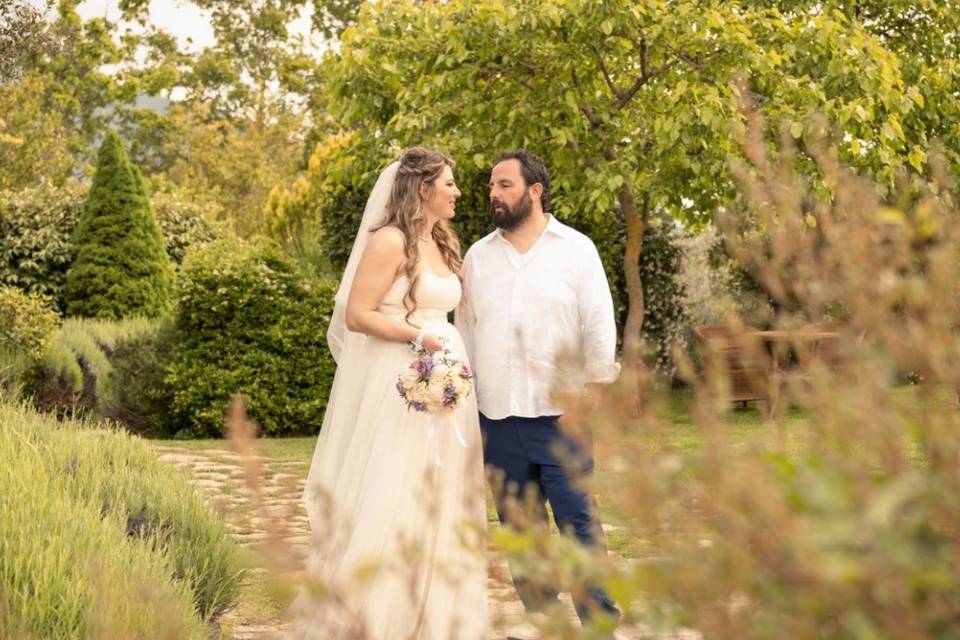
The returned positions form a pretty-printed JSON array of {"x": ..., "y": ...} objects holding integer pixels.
[
  {"x": 234, "y": 161},
  {"x": 633, "y": 104},
  {"x": 925, "y": 36},
  {"x": 239, "y": 130},
  {"x": 76, "y": 64},
  {"x": 35, "y": 144},
  {"x": 21, "y": 31},
  {"x": 121, "y": 267},
  {"x": 331, "y": 17}
]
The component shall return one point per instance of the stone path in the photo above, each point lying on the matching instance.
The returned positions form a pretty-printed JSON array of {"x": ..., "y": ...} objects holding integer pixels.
[{"x": 278, "y": 535}]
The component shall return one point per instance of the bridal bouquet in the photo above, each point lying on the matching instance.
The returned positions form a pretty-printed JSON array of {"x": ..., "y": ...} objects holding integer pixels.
[{"x": 436, "y": 382}]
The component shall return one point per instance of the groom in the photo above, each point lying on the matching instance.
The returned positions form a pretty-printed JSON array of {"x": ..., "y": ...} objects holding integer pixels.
[{"x": 534, "y": 289}]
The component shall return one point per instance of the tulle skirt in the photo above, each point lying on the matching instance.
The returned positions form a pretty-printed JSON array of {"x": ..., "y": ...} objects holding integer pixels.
[{"x": 398, "y": 545}]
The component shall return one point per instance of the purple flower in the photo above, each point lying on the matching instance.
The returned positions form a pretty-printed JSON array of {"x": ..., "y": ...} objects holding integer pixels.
[
  {"x": 400, "y": 389},
  {"x": 419, "y": 406},
  {"x": 449, "y": 395},
  {"x": 424, "y": 366},
  {"x": 465, "y": 372}
]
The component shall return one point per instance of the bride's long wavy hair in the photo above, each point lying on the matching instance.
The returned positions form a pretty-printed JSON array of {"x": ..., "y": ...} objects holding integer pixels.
[{"x": 419, "y": 165}]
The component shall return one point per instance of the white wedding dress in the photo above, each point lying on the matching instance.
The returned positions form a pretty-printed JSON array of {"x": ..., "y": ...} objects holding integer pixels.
[{"x": 398, "y": 547}]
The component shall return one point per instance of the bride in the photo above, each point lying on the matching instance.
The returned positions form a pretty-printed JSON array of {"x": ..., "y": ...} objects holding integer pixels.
[{"x": 396, "y": 502}]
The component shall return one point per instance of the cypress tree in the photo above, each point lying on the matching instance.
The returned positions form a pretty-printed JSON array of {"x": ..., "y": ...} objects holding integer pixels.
[{"x": 121, "y": 267}]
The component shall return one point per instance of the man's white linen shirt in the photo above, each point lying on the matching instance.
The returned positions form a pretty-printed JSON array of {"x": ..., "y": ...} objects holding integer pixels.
[{"x": 519, "y": 311}]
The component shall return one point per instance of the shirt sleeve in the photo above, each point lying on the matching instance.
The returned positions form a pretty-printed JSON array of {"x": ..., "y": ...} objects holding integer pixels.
[
  {"x": 464, "y": 319},
  {"x": 598, "y": 324}
]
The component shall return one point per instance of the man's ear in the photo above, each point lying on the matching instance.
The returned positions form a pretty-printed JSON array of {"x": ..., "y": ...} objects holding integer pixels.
[{"x": 536, "y": 189}]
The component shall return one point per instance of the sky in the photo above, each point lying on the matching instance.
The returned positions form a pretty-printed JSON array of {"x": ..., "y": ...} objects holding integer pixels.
[
  {"x": 181, "y": 18},
  {"x": 185, "y": 21}
]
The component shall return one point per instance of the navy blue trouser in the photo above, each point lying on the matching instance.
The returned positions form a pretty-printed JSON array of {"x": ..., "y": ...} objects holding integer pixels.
[{"x": 530, "y": 453}]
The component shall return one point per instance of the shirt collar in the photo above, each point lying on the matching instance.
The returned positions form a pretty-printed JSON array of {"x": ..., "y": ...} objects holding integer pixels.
[{"x": 554, "y": 226}]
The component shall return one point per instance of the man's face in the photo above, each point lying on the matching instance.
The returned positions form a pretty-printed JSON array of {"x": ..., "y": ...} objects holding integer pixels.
[{"x": 510, "y": 201}]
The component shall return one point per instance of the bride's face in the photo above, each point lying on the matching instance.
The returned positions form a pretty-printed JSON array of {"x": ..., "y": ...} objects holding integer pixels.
[{"x": 440, "y": 202}]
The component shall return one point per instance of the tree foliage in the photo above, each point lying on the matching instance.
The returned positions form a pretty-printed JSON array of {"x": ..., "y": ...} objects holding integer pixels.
[
  {"x": 121, "y": 267},
  {"x": 633, "y": 104}
]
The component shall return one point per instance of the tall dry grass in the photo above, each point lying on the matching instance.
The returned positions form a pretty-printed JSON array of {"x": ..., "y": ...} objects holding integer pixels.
[{"x": 845, "y": 524}]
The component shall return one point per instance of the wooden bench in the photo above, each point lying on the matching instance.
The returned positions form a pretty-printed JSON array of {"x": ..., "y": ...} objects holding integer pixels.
[{"x": 743, "y": 357}]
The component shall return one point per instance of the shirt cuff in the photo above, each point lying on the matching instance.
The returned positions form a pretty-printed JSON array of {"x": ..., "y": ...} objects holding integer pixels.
[{"x": 603, "y": 373}]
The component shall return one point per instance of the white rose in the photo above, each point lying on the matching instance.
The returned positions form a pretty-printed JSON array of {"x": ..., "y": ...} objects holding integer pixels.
[
  {"x": 439, "y": 372},
  {"x": 435, "y": 389},
  {"x": 419, "y": 394},
  {"x": 410, "y": 378}
]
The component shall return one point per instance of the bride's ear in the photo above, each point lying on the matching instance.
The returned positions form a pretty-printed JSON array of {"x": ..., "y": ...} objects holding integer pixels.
[{"x": 424, "y": 191}]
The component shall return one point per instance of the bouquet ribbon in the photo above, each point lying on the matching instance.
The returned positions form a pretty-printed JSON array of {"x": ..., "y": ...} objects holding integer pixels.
[{"x": 434, "y": 423}]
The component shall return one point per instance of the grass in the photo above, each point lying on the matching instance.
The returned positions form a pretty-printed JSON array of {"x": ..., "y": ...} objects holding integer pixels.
[
  {"x": 99, "y": 537},
  {"x": 746, "y": 423},
  {"x": 260, "y": 599}
]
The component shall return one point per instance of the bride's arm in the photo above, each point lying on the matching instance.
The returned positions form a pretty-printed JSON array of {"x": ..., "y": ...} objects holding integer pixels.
[{"x": 378, "y": 267}]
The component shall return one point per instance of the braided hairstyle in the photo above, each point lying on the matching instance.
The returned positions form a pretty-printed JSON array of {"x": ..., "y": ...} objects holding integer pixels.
[{"x": 419, "y": 165}]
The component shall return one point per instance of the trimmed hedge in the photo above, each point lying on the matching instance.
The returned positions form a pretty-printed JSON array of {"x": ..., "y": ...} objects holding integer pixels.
[
  {"x": 249, "y": 323},
  {"x": 36, "y": 226}
]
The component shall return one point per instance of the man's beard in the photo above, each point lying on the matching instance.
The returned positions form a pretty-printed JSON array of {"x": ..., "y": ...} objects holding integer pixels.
[{"x": 509, "y": 218}]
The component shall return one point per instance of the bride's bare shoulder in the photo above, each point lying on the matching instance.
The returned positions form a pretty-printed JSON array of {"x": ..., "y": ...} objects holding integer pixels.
[{"x": 387, "y": 239}]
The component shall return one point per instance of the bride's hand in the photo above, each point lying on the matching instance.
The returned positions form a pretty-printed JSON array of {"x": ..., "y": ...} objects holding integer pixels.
[{"x": 431, "y": 343}]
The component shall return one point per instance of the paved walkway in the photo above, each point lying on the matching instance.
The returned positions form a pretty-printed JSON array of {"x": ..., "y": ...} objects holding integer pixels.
[
  {"x": 278, "y": 534},
  {"x": 221, "y": 476}
]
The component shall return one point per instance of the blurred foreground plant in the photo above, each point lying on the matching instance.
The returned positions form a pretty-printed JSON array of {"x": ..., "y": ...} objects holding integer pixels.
[{"x": 843, "y": 526}]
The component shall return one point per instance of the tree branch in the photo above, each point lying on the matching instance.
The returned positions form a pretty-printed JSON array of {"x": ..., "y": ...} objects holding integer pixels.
[
  {"x": 606, "y": 74},
  {"x": 585, "y": 108}
]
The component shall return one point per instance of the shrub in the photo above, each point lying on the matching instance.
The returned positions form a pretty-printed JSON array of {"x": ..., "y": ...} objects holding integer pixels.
[
  {"x": 121, "y": 267},
  {"x": 100, "y": 539},
  {"x": 249, "y": 323},
  {"x": 76, "y": 373},
  {"x": 35, "y": 229},
  {"x": 665, "y": 320},
  {"x": 141, "y": 398},
  {"x": 184, "y": 219},
  {"x": 26, "y": 327},
  {"x": 26, "y": 322}
]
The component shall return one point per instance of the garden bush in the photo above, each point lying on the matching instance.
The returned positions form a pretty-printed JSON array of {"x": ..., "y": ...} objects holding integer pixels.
[
  {"x": 121, "y": 268},
  {"x": 36, "y": 226},
  {"x": 76, "y": 374},
  {"x": 26, "y": 327},
  {"x": 140, "y": 397},
  {"x": 35, "y": 229},
  {"x": 185, "y": 218},
  {"x": 99, "y": 539},
  {"x": 248, "y": 323},
  {"x": 665, "y": 320}
]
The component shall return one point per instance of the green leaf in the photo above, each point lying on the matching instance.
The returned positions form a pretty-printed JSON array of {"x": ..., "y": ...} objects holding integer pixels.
[{"x": 917, "y": 158}]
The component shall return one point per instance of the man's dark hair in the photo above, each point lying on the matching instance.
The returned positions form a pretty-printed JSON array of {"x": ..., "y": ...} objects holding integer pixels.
[{"x": 533, "y": 170}]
